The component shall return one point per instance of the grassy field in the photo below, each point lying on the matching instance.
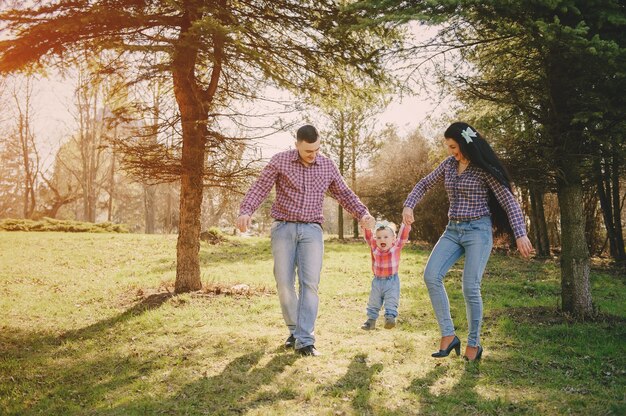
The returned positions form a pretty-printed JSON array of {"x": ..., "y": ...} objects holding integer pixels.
[{"x": 89, "y": 328}]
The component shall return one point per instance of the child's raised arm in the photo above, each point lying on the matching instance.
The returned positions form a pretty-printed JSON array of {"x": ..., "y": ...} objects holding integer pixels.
[
  {"x": 369, "y": 237},
  {"x": 403, "y": 235}
]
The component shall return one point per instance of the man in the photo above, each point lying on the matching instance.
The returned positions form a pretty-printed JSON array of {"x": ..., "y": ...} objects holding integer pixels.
[{"x": 302, "y": 178}]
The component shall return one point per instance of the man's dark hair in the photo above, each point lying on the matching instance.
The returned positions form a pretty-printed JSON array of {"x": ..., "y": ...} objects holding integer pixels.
[{"x": 307, "y": 133}]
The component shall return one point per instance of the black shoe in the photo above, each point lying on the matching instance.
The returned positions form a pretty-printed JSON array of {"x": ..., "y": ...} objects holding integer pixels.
[
  {"x": 390, "y": 322},
  {"x": 369, "y": 325},
  {"x": 291, "y": 342},
  {"x": 454, "y": 345},
  {"x": 309, "y": 350},
  {"x": 479, "y": 354}
]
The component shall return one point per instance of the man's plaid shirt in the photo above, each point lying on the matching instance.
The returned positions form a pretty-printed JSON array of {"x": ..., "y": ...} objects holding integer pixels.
[
  {"x": 300, "y": 189},
  {"x": 468, "y": 194},
  {"x": 386, "y": 263}
]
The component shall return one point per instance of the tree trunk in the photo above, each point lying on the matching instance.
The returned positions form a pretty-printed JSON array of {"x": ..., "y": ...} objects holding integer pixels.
[
  {"x": 193, "y": 103},
  {"x": 149, "y": 192},
  {"x": 27, "y": 148},
  {"x": 92, "y": 177},
  {"x": 88, "y": 148},
  {"x": 355, "y": 222},
  {"x": 168, "y": 223},
  {"x": 604, "y": 192},
  {"x": 340, "y": 222},
  {"x": 111, "y": 181},
  {"x": 620, "y": 253},
  {"x": 607, "y": 186},
  {"x": 538, "y": 222},
  {"x": 576, "y": 293},
  {"x": 342, "y": 155},
  {"x": 27, "y": 210}
]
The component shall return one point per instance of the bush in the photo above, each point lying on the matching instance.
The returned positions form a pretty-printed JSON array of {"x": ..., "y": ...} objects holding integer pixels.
[
  {"x": 212, "y": 236},
  {"x": 51, "y": 224},
  {"x": 393, "y": 173}
]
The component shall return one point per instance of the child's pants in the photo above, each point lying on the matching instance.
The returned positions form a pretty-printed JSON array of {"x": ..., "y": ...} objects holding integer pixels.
[{"x": 384, "y": 292}]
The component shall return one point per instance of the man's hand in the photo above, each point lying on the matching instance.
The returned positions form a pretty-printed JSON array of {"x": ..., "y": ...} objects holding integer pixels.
[
  {"x": 524, "y": 246},
  {"x": 367, "y": 221},
  {"x": 244, "y": 222},
  {"x": 407, "y": 216}
]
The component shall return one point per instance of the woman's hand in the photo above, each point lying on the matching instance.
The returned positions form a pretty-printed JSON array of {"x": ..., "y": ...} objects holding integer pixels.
[
  {"x": 524, "y": 246},
  {"x": 407, "y": 216}
]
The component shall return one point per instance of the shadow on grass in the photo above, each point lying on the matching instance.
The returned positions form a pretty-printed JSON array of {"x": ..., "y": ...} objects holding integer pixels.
[
  {"x": 126, "y": 385},
  {"x": 19, "y": 344},
  {"x": 84, "y": 371},
  {"x": 236, "y": 390},
  {"x": 542, "y": 351},
  {"x": 357, "y": 379},
  {"x": 57, "y": 374},
  {"x": 537, "y": 361},
  {"x": 463, "y": 398},
  {"x": 150, "y": 302}
]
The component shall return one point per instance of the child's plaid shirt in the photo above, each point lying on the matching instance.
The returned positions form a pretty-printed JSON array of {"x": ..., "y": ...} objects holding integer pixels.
[{"x": 386, "y": 263}]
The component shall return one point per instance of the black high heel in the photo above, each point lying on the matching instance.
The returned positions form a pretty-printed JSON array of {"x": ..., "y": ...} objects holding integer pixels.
[
  {"x": 455, "y": 344},
  {"x": 479, "y": 354}
]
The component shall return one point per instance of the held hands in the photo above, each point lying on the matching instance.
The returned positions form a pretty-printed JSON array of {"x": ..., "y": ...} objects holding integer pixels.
[
  {"x": 244, "y": 222},
  {"x": 407, "y": 216},
  {"x": 367, "y": 222},
  {"x": 524, "y": 246}
]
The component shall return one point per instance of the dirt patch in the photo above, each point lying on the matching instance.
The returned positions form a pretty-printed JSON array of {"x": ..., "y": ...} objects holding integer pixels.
[
  {"x": 238, "y": 290},
  {"x": 153, "y": 297}
]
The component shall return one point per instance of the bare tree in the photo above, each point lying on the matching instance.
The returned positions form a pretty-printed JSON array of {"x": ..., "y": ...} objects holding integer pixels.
[
  {"x": 24, "y": 138},
  {"x": 349, "y": 135}
]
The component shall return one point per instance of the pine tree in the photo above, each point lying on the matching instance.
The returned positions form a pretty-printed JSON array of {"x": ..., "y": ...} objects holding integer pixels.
[{"x": 215, "y": 53}]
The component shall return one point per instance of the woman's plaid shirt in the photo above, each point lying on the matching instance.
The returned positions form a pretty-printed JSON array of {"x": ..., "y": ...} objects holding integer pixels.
[
  {"x": 386, "y": 263},
  {"x": 468, "y": 194},
  {"x": 300, "y": 189}
]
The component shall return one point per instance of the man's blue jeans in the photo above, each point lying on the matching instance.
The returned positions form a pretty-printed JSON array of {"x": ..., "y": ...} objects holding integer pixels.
[
  {"x": 298, "y": 246},
  {"x": 473, "y": 239},
  {"x": 384, "y": 292}
]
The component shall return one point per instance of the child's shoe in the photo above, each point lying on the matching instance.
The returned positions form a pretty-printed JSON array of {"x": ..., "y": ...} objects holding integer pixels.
[
  {"x": 369, "y": 325},
  {"x": 390, "y": 322}
]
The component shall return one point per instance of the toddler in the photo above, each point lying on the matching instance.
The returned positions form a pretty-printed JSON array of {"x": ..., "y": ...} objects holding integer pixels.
[{"x": 385, "y": 248}]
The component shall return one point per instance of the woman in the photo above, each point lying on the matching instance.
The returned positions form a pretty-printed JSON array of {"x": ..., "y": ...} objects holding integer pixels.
[{"x": 479, "y": 191}]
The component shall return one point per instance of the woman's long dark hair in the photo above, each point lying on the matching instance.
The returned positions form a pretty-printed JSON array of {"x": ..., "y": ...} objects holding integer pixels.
[{"x": 480, "y": 154}]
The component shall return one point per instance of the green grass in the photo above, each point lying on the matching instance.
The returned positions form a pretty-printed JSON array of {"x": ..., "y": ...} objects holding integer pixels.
[{"x": 88, "y": 328}]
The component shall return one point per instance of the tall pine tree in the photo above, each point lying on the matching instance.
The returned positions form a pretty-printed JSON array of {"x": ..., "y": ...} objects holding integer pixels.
[{"x": 215, "y": 52}]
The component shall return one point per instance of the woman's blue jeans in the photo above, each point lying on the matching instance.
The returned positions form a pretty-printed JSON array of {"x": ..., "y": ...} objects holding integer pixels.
[
  {"x": 473, "y": 239},
  {"x": 298, "y": 246}
]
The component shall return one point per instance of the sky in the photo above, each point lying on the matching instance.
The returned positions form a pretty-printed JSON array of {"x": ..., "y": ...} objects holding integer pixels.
[
  {"x": 54, "y": 122},
  {"x": 407, "y": 113}
]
